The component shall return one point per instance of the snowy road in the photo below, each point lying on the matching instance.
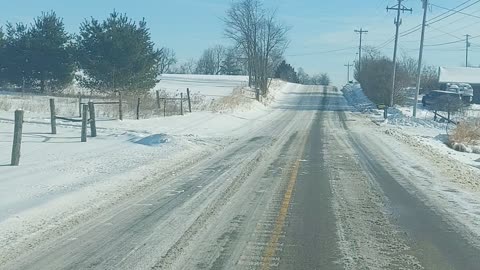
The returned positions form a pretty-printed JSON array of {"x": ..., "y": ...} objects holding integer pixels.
[{"x": 314, "y": 187}]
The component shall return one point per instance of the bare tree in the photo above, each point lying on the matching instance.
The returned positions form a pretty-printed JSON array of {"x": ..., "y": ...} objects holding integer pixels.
[
  {"x": 167, "y": 60},
  {"x": 212, "y": 60},
  {"x": 187, "y": 67},
  {"x": 260, "y": 37}
]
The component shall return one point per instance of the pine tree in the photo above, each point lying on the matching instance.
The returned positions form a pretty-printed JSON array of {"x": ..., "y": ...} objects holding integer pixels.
[
  {"x": 286, "y": 72},
  {"x": 230, "y": 65},
  {"x": 16, "y": 62},
  {"x": 51, "y": 52},
  {"x": 117, "y": 54},
  {"x": 2, "y": 57}
]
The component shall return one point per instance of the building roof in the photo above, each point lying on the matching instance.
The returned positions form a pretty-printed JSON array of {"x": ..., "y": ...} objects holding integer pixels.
[{"x": 459, "y": 75}]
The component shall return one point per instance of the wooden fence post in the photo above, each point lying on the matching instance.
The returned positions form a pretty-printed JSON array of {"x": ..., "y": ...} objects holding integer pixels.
[
  {"x": 138, "y": 108},
  {"x": 93, "y": 125},
  {"x": 158, "y": 99},
  {"x": 17, "y": 137},
  {"x": 165, "y": 107},
  {"x": 189, "y": 101},
  {"x": 79, "y": 104},
  {"x": 181, "y": 103},
  {"x": 120, "y": 110},
  {"x": 53, "y": 120},
  {"x": 84, "y": 123}
]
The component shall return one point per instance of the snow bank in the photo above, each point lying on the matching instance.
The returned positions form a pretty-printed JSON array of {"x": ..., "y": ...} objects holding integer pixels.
[
  {"x": 356, "y": 98},
  {"x": 154, "y": 140},
  {"x": 398, "y": 116}
]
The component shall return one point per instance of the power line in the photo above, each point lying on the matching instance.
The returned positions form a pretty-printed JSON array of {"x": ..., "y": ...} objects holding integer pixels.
[
  {"x": 418, "y": 27},
  {"x": 446, "y": 43},
  {"x": 454, "y": 12},
  {"x": 437, "y": 18},
  {"x": 454, "y": 30},
  {"x": 459, "y": 12},
  {"x": 445, "y": 33},
  {"x": 321, "y": 52}
]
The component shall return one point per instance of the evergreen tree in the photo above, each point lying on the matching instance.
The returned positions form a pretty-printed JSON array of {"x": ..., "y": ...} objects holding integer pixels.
[
  {"x": 16, "y": 62},
  {"x": 286, "y": 72},
  {"x": 303, "y": 77},
  {"x": 324, "y": 79},
  {"x": 117, "y": 54},
  {"x": 2, "y": 57},
  {"x": 51, "y": 58},
  {"x": 230, "y": 65}
]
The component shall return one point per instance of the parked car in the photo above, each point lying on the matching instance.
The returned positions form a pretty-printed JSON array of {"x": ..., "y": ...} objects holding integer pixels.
[
  {"x": 464, "y": 89},
  {"x": 434, "y": 95}
]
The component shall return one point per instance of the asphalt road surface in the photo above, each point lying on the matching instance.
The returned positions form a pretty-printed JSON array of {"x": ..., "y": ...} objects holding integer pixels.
[{"x": 306, "y": 190}]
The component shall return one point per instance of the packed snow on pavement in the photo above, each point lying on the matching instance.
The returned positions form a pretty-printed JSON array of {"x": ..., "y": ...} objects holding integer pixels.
[{"x": 62, "y": 180}]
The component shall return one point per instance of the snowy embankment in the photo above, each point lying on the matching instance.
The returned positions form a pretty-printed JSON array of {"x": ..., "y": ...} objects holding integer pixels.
[
  {"x": 60, "y": 180},
  {"x": 421, "y": 130}
]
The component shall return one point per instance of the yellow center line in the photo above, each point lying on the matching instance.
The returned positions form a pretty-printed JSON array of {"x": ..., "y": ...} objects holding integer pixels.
[{"x": 282, "y": 215}]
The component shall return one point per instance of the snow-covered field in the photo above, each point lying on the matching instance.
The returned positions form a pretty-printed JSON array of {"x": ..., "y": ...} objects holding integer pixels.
[{"x": 212, "y": 86}]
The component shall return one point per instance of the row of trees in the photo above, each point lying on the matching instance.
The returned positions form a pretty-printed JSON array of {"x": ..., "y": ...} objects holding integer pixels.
[
  {"x": 220, "y": 60},
  {"x": 316, "y": 79},
  {"x": 376, "y": 73},
  {"x": 114, "y": 54},
  {"x": 287, "y": 73}
]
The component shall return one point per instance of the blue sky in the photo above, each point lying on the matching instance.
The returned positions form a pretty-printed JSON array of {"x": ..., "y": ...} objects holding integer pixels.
[{"x": 317, "y": 27}]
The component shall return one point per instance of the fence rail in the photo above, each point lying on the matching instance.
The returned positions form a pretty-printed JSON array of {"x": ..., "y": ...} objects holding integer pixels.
[{"x": 86, "y": 108}]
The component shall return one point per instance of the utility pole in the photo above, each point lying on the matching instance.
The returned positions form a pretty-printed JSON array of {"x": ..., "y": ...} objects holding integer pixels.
[
  {"x": 398, "y": 21},
  {"x": 467, "y": 49},
  {"x": 420, "y": 58},
  {"x": 361, "y": 32},
  {"x": 348, "y": 71}
]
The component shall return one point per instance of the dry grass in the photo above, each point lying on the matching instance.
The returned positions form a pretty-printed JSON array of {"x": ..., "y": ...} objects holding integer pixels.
[
  {"x": 69, "y": 107},
  {"x": 466, "y": 133},
  {"x": 240, "y": 98},
  {"x": 4, "y": 104}
]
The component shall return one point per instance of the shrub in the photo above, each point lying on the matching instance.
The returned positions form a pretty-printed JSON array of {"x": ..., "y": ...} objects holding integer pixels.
[{"x": 466, "y": 133}]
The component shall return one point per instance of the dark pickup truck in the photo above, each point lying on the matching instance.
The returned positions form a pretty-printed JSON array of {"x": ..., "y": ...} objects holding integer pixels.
[{"x": 433, "y": 97}]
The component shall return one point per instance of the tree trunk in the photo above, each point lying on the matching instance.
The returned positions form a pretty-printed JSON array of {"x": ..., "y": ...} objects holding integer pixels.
[{"x": 42, "y": 83}]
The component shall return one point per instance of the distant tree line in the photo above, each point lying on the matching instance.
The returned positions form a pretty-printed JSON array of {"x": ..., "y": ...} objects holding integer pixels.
[
  {"x": 376, "y": 74},
  {"x": 316, "y": 79},
  {"x": 217, "y": 60},
  {"x": 287, "y": 73}
]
